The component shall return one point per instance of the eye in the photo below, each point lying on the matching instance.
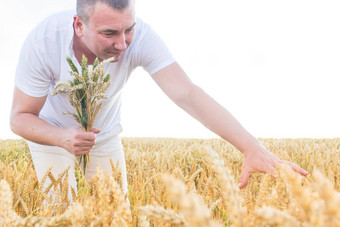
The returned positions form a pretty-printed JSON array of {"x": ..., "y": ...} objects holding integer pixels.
[{"x": 108, "y": 34}]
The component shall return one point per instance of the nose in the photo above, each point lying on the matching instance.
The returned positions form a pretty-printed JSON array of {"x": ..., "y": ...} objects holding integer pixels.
[{"x": 120, "y": 43}]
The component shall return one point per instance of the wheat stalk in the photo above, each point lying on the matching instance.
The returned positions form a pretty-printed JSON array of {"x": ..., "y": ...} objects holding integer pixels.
[
  {"x": 330, "y": 198},
  {"x": 86, "y": 92},
  {"x": 196, "y": 213},
  {"x": 274, "y": 217},
  {"x": 296, "y": 201},
  {"x": 230, "y": 191},
  {"x": 164, "y": 215}
]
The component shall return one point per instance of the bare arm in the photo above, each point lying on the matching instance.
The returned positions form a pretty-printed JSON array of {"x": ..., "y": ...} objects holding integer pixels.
[
  {"x": 25, "y": 122},
  {"x": 175, "y": 83}
]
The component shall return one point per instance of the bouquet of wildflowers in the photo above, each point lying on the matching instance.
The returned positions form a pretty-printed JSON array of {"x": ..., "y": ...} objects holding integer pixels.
[{"x": 86, "y": 94}]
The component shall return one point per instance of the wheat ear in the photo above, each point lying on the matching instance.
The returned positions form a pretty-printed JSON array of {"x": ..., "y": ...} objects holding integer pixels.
[{"x": 230, "y": 191}]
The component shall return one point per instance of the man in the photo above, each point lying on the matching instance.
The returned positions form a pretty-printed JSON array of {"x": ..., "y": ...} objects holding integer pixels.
[{"x": 103, "y": 29}]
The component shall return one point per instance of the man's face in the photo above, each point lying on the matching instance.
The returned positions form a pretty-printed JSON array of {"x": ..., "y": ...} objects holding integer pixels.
[{"x": 109, "y": 31}]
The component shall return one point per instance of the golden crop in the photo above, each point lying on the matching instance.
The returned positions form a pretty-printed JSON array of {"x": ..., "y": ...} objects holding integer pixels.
[{"x": 178, "y": 182}]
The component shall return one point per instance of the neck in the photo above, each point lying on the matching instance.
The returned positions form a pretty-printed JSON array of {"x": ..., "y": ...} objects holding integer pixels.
[{"x": 80, "y": 49}]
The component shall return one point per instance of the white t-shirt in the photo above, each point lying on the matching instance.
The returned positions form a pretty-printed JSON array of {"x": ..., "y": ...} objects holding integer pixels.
[{"x": 42, "y": 64}]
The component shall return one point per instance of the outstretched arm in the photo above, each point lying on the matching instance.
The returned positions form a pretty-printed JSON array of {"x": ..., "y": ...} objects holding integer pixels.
[{"x": 178, "y": 87}]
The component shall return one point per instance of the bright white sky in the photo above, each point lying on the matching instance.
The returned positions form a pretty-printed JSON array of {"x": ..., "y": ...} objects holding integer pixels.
[{"x": 273, "y": 64}]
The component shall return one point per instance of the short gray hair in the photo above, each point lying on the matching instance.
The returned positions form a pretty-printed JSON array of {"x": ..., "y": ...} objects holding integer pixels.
[{"x": 85, "y": 7}]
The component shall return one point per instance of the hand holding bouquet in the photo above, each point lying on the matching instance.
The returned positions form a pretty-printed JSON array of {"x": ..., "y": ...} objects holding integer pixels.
[{"x": 86, "y": 94}]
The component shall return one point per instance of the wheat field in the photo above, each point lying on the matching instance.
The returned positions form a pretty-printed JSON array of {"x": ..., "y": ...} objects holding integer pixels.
[{"x": 178, "y": 182}]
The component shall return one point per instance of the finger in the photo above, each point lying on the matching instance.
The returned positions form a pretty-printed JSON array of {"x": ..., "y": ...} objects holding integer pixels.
[
  {"x": 87, "y": 136},
  {"x": 96, "y": 130},
  {"x": 83, "y": 150},
  {"x": 244, "y": 179},
  {"x": 298, "y": 169},
  {"x": 85, "y": 145},
  {"x": 272, "y": 171}
]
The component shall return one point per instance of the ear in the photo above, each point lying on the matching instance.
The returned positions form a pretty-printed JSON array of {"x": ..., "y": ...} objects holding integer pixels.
[{"x": 78, "y": 26}]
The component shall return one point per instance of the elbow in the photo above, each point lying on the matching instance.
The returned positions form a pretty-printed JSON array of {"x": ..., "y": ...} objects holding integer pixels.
[{"x": 13, "y": 123}]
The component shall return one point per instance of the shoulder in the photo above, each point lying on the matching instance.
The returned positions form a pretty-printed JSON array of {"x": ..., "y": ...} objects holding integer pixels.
[
  {"x": 54, "y": 24},
  {"x": 142, "y": 29},
  {"x": 148, "y": 49},
  {"x": 45, "y": 46},
  {"x": 144, "y": 34}
]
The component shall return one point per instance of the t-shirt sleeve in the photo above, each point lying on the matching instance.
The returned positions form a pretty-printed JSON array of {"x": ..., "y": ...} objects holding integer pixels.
[
  {"x": 152, "y": 53},
  {"x": 31, "y": 76}
]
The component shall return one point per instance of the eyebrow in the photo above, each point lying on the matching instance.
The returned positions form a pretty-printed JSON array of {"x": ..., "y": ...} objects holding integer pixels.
[
  {"x": 115, "y": 31},
  {"x": 134, "y": 24}
]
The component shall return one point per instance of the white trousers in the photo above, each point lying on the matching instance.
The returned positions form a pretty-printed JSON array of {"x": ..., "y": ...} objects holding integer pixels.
[{"x": 106, "y": 148}]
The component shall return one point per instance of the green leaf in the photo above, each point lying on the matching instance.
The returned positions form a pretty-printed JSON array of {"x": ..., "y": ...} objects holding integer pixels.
[
  {"x": 75, "y": 81},
  {"x": 108, "y": 76},
  {"x": 72, "y": 66},
  {"x": 80, "y": 94},
  {"x": 84, "y": 70},
  {"x": 79, "y": 114},
  {"x": 85, "y": 162},
  {"x": 95, "y": 77},
  {"x": 83, "y": 118},
  {"x": 95, "y": 63}
]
